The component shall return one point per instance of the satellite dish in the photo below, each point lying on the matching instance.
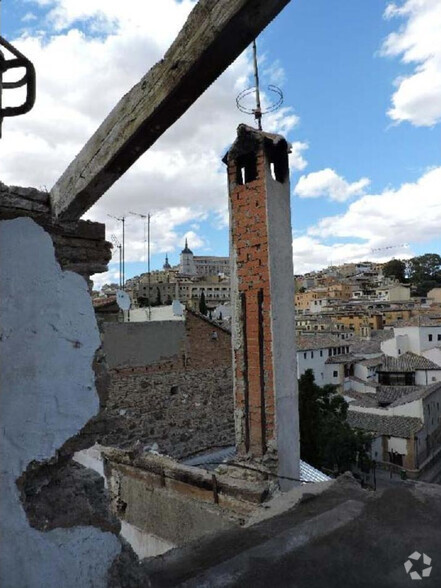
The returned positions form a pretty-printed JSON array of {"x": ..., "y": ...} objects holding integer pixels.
[
  {"x": 123, "y": 300},
  {"x": 177, "y": 308}
]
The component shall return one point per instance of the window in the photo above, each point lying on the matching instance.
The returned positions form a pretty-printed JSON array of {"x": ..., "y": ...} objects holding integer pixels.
[
  {"x": 321, "y": 353},
  {"x": 335, "y": 374},
  {"x": 438, "y": 337},
  {"x": 246, "y": 169},
  {"x": 304, "y": 355},
  {"x": 430, "y": 337},
  {"x": 312, "y": 354}
]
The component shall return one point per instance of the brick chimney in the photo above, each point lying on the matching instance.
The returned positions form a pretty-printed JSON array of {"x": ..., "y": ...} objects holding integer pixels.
[{"x": 262, "y": 281}]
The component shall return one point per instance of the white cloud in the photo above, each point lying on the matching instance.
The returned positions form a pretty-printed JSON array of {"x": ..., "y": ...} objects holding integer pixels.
[
  {"x": 86, "y": 59},
  {"x": 383, "y": 224},
  {"x": 410, "y": 213},
  {"x": 29, "y": 17},
  {"x": 296, "y": 160},
  {"x": 417, "y": 98},
  {"x": 109, "y": 277},
  {"x": 311, "y": 254},
  {"x": 329, "y": 184}
]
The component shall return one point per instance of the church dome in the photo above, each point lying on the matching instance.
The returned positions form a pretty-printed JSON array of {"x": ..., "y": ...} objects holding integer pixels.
[{"x": 166, "y": 265}]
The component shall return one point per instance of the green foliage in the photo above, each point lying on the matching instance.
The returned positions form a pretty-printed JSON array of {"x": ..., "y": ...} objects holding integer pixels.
[
  {"x": 202, "y": 305},
  {"x": 158, "y": 300},
  {"x": 395, "y": 268},
  {"x": 326, "y": 439},
  {"x": 424, "y": 272}
]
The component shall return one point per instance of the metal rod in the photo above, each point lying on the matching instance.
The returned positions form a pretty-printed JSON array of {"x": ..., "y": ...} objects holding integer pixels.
[
  {"x": 123, "y": 252},
  {"x": 258, "y": 111},
  {"x": 148, "y": 263},
  {"x": 120, "y": 266}
]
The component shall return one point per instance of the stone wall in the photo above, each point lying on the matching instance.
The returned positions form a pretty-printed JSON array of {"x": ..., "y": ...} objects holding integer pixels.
[
  {"x": 174, "y": 502},
  {"x": 181, "y": 398},
  {"x": 80, "y": 246}
]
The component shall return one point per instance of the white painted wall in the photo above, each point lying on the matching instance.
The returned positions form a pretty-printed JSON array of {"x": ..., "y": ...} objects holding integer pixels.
[
  {"x": 397, "y": 444},
  {"x": 434, "y": 354},
  {"x": 420, "y": 338},
  {"x": 397, "y": 346},
  {"x": 412, "y": 409},
  {"x": 425, "y": 377},
  {"x": 313, "y": 360},
  {"x": 335, "y": 374},
  {"x": 48, "y": 394}
]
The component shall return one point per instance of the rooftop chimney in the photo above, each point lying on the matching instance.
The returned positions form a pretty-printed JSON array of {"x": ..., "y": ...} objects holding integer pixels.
[{"x": 264, "y": 356}]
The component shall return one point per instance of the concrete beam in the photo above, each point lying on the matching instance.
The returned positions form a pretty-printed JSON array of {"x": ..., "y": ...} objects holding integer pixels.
[{"x": 215, "y": 33}]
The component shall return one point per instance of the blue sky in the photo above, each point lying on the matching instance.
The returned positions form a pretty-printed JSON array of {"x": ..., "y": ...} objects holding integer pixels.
[{"x": 362, "y": 87}]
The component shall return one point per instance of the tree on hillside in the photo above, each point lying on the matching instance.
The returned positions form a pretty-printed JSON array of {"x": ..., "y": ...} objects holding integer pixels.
[
  {"x": 203, "y": 305},
  {"x": 395, "y": 268},
  {"x": 158, "y": 300},
  {"x": 424, "y": 272},
  {"x": 326, "y": 439}
]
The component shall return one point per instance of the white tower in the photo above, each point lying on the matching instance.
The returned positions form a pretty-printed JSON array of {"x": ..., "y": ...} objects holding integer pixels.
[{"x": 187, "y": 266}]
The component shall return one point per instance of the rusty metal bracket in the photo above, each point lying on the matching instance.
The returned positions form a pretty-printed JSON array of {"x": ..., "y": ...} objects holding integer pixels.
[{"x": 28, "y": 80}]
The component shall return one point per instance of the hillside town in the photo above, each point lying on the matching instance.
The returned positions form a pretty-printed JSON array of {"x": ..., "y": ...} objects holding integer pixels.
[
  {"x": 223, "y": 421},
  {"x": 358, "y": 328}
]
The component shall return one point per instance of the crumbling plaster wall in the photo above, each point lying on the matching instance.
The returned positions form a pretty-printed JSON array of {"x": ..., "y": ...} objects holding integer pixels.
[{"x": 48, "y": 340}]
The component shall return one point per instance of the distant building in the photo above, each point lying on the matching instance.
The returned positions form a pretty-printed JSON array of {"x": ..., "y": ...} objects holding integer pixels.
[{"x": 187, "y": 266}]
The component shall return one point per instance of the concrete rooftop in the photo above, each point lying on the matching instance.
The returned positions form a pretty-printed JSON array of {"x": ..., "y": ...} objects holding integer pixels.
[{"x": 342, "y": 537}]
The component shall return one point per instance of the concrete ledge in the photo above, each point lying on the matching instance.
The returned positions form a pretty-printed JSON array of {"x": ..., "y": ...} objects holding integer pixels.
[{"x": 189, "y": 480}]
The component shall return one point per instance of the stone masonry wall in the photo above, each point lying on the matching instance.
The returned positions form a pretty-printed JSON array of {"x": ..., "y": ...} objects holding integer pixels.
[
  {"x": 184, "y": 403},
  {"x": 80, "y": 246}
]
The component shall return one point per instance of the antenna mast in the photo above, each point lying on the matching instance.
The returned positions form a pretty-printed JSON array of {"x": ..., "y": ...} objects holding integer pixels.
[
  {"x": 122, "y": 219},
  {"x": 242, "y": 101},
  {"x": 118, "y": 245},
  {"x": 146, "y": 216}
]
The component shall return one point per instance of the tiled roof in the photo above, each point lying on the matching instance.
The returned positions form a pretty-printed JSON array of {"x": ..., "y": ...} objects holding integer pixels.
[
  {"x": 365, "y": 346},
  {"x": 392, "y": 393},
  {"x": 367, "y": 399},
  {"x": 420, "y": 393},
  {"x": 396, "y": 426},
  {"x": 373, "y": 385},
  {"x": 318, "y": 341},
  {"x": 343, "y": 358},
  {"x": 424, "y": 320},
  {"x": 371, "y": 361},
  {"x": 408, "y": 362},
  {"x": 99, "y": 302},
  {"x": 224, "y": 326},
  {"x": 382, "y": 334}
]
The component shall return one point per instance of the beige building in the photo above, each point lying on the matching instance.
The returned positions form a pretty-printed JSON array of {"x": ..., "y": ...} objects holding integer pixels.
[
  {"x": 393, "y": 293},
  {"x": 434, "y": 295}
]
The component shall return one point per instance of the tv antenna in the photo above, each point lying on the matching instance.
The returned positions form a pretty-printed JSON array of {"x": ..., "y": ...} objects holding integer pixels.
[
  {"x": 146, "y": 217},
  {"x": 121, "y": 219},
  {"x": 118, "y": 246},
  {"x": 257, "y": 111},
  {"x": 404, "y": 245}
]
